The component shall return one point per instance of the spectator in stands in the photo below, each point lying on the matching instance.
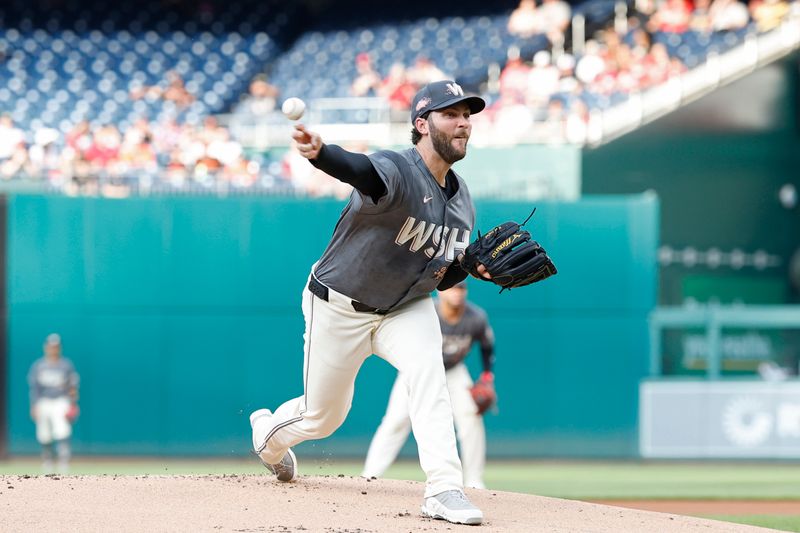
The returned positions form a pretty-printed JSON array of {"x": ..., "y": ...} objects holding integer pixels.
[
  {"x": 261, "y": 99},
  {"x": 551, "y": 129},
  {"x": 76, "y": 169},
  {"x": 367, "y": 80},
  {"x": 591, "y": 63},
  {"x": 397, "y": 89},
  {"x": 240, "y": 172},
  {"x": 136, "y": 154},
  {"x": 511, "y": 119},
  {"x": 17, "y": 163},
  {"x": 175, "y": 171},
  {"x": 671, "y": 16},
  {"x": 640, "y": 13},
  {"x": 174, "y": 91},
  {"x": 624, "y": 71},
  {"x": 728, "y": 15},
  {"x": 104, "y": 150},
  {"x": 296, "y": 169},
  {"x": 554, "y": 17},
  {"x": 542, "y": 81},
  {"x": 657, "y": 67},
  {"x": 79, "y": 138},
  {"x": 612, "y": 42},
  {"x": 224, "y": 149},
  {"x": 524, "y": 21},
  {"x": 768, "y": 14},
  {"x": 576, "y": 124},
  {"x": 701, "y": 17},
  {"x": 424, "y": 71},
  {"x": 210, "y": 131},
  {"x": 10, "y": 137},
  {"x": 567, "y": 83},
  {"x": 191, "y": 147},
  {"x": 44, "y": 154},
  {"x": 514, "y": 76},
  {"x": 676, "y": 67},
  {"x": 81, "y": 176},
  {"x": 640, "y": 45},
  {"x": 166, "y": 136}
]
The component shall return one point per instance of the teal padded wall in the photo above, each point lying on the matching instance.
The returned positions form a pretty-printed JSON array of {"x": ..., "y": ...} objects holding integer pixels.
[{"x": 182, "y": 315}]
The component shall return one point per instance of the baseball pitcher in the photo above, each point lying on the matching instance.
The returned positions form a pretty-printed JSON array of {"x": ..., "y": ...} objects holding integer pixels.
[{"x": 408, "y": 221}]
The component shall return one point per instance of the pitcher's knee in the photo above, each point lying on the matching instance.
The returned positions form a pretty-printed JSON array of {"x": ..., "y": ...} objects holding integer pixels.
[
  {"x": 426, "y": 368},
  {"x": 323, "y": 424}
]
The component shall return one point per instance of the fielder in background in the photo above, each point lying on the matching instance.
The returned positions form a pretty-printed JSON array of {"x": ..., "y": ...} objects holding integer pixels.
[
  {"x": 463, "y": 324},
  {"x": 53, "y": 384},
  {"x": 399, "y": 238}
]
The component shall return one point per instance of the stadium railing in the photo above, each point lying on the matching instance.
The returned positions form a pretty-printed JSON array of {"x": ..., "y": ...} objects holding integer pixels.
[{"x": 714, "y": 319}]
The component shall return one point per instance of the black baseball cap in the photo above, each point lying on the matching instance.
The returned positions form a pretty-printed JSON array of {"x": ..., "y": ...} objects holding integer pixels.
[{"x": 442, "y": 94}]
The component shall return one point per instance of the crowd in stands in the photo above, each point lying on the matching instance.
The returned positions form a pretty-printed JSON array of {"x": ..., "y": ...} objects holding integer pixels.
[
  {"x": 400, "y": 85},
  {"x": 173, "y": 90},
  {"x": 551, "y": 18},
  {"x": 142, "y": 157},
  {"x": 548, "y": 95},
  {"x": 553, "y": 92}
]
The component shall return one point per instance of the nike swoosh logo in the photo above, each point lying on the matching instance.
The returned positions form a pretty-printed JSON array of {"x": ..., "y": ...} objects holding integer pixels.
[{"x": 427, "y": 199}]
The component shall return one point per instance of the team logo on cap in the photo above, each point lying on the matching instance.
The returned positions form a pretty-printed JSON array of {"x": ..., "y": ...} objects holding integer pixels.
[
  {"x": 422, "y": 104},
  {"x": 454, "y": 89}
]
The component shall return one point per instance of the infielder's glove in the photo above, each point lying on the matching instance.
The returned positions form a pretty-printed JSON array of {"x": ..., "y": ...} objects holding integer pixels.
[
  {"x": 73, "y": 412},
  {"x": 509, "y": 255},
  {"x": 483, "y": 393}
]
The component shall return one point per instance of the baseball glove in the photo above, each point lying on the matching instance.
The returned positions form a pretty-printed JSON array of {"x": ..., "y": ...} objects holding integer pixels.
[
  {"x": 73, "y": 412},
  {"x": 509, "y": 255},
  {"x": 483, "y": 393}
]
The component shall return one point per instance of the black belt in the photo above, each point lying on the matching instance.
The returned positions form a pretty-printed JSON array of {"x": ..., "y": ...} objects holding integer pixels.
[{"x": 321, "y": 291}]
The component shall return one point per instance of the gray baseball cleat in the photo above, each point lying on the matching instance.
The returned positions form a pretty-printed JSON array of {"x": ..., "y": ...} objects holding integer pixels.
[
  {"x": 453, "y": 506},
  {"x": 286, "y": 469}
]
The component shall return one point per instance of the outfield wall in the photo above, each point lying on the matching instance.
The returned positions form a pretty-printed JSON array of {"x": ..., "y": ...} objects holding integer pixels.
[{"x": 182, "y": 315}]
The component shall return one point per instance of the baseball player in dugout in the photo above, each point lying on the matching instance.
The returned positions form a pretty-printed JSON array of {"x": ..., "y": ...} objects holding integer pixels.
[
  {"x": 53, "y": 385},
  {"x": 463, "y": 324},
  {"x": 400, "y": 237}
]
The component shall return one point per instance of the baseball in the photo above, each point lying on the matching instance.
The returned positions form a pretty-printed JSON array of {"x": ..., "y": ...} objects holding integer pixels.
[{"x": 293, "y": 108}]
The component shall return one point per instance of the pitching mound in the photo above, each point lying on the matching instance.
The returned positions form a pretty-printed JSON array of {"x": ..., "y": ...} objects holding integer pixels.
[{"x": 326, "y": 504}]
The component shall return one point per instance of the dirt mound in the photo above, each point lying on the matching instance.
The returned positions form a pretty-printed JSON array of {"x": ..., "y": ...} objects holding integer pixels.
[{"x": 325, "y": 504}]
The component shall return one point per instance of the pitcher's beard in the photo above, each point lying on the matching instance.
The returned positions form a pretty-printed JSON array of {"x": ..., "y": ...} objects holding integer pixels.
[{"x": 444, "y": 146}]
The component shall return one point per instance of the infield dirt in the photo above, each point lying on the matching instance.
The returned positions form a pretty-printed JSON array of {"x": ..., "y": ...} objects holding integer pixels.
[{"x": 313, "y": 503}]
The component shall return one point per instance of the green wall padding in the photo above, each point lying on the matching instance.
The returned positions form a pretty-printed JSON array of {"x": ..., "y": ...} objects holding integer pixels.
[{"x": 182, "y": 315}]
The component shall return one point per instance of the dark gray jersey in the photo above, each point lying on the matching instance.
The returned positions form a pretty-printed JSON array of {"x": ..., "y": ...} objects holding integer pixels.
[
  {"x": 457, "y": 339},
  {"x": 51, "y": 379},
  {"x": 387, "y": 253}
]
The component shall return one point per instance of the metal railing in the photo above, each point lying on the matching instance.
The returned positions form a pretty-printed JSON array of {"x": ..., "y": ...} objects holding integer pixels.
[{"x": 715, "y": 318}]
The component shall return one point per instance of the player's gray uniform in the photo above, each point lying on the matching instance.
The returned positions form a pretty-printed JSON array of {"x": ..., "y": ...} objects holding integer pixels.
[
  {"x": 386, "y": 256},
  {"x": 392, "y": 252},
  {"x": 458, "y": 338},
  {"x": 472, "y": 327},
  {"x": 50, "y": 383}
]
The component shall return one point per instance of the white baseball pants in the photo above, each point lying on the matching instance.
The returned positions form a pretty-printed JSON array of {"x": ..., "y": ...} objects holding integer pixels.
[
  {"x": 338, "y": 340},
  {"x": 395, "y": 427},
  {"x": 51, "y": 419}
]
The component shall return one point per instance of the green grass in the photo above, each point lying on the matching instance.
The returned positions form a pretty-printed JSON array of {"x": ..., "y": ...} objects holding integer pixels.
[{"x": 779, "y": 522}]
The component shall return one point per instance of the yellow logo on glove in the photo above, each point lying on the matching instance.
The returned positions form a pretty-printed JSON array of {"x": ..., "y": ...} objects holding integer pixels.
[{"x": 505, "y": 244}]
